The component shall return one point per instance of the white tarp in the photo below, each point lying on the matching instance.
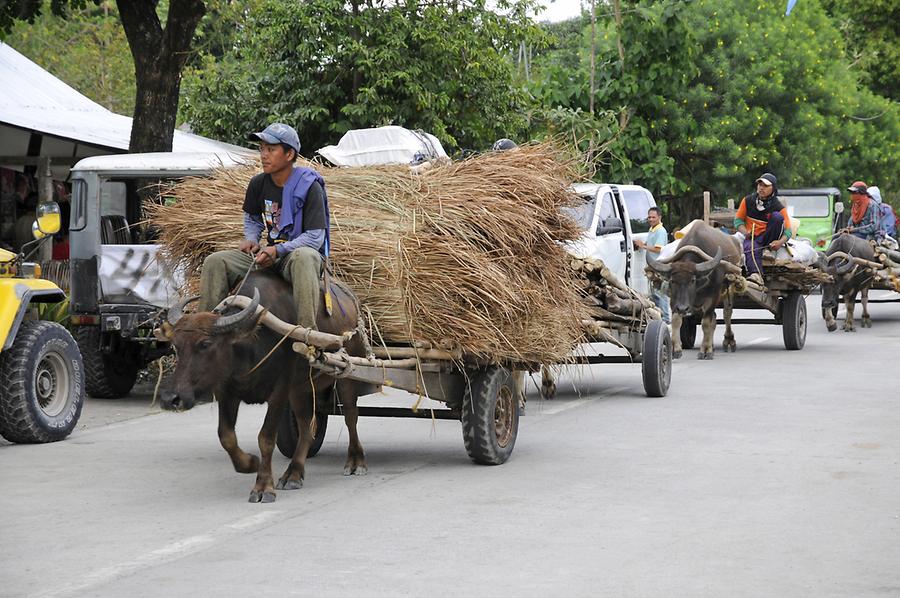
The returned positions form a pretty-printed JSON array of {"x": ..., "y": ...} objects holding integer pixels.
[
  {"x": 33, "y": 100},
  {"x": 134, "y": 273},
  {"x": 383, "y": 145}
]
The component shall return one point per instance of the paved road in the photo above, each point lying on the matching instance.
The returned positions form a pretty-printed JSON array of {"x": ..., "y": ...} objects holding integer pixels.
[{"x": 763, "y": 473}]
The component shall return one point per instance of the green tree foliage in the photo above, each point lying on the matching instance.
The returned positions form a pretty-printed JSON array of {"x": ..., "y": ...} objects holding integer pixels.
[
  {"x": 159, "y": 36},
  {"x": 715, "y": 92},
  {"x": 871, "y": 29},
  {"x": 328, "y": 67},
  {"x": 776, "y": 93},
  {"x": 658, "y": 58},
  {"x": 86, "y": 49}
]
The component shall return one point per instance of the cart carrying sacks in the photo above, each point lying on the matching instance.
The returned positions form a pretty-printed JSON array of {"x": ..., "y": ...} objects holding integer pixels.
[
  {"x": 460, "y": 273},
  {"x": 787, "y": 280}
]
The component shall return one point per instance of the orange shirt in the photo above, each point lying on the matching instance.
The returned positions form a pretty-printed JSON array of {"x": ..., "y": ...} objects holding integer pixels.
[{"x": 756, "y": 226}]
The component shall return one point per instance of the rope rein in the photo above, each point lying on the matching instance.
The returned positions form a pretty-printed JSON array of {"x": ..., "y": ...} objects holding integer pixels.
[{"x": 275, "y": 348}]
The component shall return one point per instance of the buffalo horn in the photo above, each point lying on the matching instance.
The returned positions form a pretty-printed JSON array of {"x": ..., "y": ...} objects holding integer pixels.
[
  {"x": 841, "y": 267},
  {"x": 844, "y": 267},
  {"x": 228, "y": 323},
  {"x": 686, "y": 249},
  {"x": 177, "y": 311},
  {"x": 710, "y": 265},
  {"x": 659, "y": 266}
]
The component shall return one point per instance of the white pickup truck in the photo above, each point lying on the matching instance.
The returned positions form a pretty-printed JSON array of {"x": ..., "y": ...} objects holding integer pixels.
[{"x": 612, "y": 217}]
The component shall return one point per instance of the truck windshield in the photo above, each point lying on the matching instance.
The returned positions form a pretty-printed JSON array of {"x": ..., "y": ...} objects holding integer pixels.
[
  {"x": 807, "y": 206},
  {"x": 583, "y": 212}
]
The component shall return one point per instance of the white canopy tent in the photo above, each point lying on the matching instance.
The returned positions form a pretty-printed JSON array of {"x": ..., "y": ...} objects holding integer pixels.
[{"x": 40, "y": 116}]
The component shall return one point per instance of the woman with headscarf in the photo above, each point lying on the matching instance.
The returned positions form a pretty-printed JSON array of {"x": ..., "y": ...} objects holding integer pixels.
[{"x": 887, "y": 218}]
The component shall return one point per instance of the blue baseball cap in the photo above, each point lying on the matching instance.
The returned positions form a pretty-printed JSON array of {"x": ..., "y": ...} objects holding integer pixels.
[{"x": 278, "y": 133}]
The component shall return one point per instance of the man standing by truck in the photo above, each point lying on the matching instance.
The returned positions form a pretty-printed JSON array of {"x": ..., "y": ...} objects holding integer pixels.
[
  {"x": 656, "y": 240},
  {"x": 289, "y": 204}
]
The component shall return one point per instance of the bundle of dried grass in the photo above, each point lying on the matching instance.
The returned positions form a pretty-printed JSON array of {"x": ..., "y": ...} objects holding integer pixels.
[{"x": 464, "y": 256}]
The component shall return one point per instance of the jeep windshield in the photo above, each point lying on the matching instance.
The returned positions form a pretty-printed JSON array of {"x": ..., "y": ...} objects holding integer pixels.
[{"x": 807, "y": 206}]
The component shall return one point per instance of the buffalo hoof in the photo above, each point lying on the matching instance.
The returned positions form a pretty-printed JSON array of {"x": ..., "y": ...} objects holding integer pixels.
[
  {"x": 676, "y": 354},
  {"x": 729, "y": 345},
  {"x": 265, "y": 496},
  {"x": 705, "y": 356},
  {"x": 251, "y": 466},
  {"x": 849, "y": 329},
  {"x": 548, "y": 391},
  {"x": 831, "y": 327},
  {"x": 284, "y": 484},
  {"x": 355, "y": 470},
  {"x": 867, "y": 323}
]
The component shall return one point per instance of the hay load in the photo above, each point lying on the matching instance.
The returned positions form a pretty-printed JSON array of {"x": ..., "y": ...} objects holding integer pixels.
[{"x": 463, "y": 256}]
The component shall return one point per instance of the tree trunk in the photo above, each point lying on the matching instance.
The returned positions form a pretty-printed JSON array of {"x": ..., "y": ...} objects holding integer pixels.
[{"x": 159, "y": 58}]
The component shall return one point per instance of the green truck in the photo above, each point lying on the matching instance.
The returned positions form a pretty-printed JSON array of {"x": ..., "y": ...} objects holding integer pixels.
[{"x": 819, "y": 211}]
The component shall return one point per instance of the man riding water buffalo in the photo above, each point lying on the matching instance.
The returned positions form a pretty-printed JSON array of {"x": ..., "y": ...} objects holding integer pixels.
[
  {"x": 289, "y": 204},
  {"x": 764, "y": 222},
  {"x": 227, "y": 355}
]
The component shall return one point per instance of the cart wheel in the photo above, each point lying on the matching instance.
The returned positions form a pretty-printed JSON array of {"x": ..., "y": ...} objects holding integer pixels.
[
  {"x": 41, "y": 384},
  {"x": 656, "y": 360},
  {"x": 490, "y": 415},
  {"x": 688, "y": 332},
  {"x": 289, "y": 435},
  {"x": 793, "y": 313}
]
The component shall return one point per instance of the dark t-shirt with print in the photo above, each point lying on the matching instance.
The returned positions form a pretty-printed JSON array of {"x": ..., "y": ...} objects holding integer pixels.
[{"x": 263, "y": 199}]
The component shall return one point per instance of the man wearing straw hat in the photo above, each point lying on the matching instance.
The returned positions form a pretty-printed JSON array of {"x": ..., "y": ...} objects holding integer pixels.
[{"x": 290, "y": 206}]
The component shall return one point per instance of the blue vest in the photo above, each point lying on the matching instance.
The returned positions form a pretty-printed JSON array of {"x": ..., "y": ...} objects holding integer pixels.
[{"x": 293, "y": 197}]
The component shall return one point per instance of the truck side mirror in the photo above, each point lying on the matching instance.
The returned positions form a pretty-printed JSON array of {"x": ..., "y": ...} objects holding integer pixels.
[
  {"x": 48, "y": 220},
  {"x": 838, "y": 207}
]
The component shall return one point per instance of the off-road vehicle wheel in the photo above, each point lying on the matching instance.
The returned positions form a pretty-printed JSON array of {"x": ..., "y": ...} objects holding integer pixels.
[
  {"x": 107, "y": 376},
  {"x": 41, "y": 384}
]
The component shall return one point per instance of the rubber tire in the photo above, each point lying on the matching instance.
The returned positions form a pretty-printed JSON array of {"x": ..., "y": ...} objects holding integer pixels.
[
  {"x": 484, "y": 389},
  {"x": 656, "y": 359},
  {"x": 688, "y": 332},
  {"x": 107, "y": 376},
  {"x": 793, "y": 327},
  {"x": 288, "y": 434},
  {"x": 21, "y": 417}
]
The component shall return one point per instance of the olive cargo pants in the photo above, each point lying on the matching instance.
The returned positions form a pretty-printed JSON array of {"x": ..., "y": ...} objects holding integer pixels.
[{"x": 302, "y": 268}]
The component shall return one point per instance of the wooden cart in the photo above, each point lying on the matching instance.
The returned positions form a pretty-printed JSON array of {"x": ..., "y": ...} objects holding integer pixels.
[
  {"x": 483, "y": 396},
  {"x": 783, "y": 294}
]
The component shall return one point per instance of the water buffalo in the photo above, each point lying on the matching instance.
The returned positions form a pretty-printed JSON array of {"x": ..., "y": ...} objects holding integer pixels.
[
  {"x": 228, "y": 356},
  {"x": 849, "y": 279},
  {"x": 696, "y": 275}
]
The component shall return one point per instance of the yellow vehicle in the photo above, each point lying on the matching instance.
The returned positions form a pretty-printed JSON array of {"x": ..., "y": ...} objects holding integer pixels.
[{"x": 41, "y": 371}]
